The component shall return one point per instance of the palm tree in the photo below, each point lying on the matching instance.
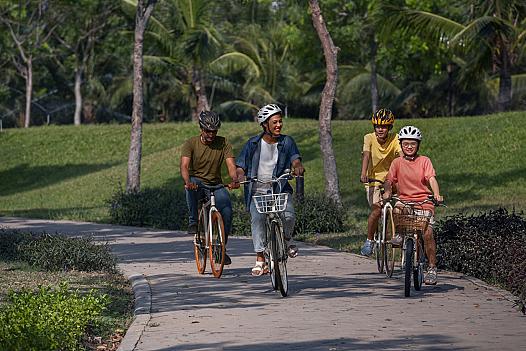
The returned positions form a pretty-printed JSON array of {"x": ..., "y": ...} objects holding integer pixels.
[{"x": 494, "y": 41}]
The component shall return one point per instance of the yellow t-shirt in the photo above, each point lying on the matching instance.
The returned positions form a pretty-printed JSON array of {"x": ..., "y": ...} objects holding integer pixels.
[{"x": 381, "y": 154}]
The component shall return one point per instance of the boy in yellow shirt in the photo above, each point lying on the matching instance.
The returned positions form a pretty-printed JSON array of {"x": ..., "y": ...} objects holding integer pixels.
[{"x": 380, "y": 148}]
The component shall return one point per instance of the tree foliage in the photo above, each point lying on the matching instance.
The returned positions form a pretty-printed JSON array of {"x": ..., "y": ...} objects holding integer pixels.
[{"x": 424, "y": 58}]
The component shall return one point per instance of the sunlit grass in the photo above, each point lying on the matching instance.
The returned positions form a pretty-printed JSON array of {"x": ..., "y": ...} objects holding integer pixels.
[{"x": 67, "y": 172}]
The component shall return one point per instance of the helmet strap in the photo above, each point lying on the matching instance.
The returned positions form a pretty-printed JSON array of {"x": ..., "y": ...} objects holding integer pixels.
[{"x": 266, "y": 130}]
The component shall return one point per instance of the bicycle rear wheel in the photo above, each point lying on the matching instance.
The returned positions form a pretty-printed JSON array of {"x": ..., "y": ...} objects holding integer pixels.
[
  {"x": 392, "y": 253},
  {"x": 418, "y": 273},
  {"x": 216, "y": 247},
  {"x": 281, "y": 255},
  {"x": 408, "y": 266},
  {"x": 200, "y": 243}
]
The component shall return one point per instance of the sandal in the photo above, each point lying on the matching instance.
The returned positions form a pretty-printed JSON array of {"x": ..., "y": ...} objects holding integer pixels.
[{"x": 259, "y": 269}]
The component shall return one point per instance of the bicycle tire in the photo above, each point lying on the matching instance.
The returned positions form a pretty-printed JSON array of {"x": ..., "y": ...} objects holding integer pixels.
[
  {"x": 200, "y": 251},
  {"x": 273, "y": 254},
  {"x": 408, "y": 266},
  {"x": 392, "y": 253},
  {"x": 216, "y": 246},
  {"x": 418, "y": 273},
  {"x": 281, "y": 254},
  {"x": 379, "y": 248}
]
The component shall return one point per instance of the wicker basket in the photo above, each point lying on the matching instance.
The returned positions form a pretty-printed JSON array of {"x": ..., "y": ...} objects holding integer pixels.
[
  {"x": 271, "y": 202},
  {"x": 409, "y": 220}
]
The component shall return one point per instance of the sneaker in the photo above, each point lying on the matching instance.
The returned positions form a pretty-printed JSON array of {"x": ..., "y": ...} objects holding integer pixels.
[
  {"x": 292, "y": 251},
  {"x": 367, "y": 248},
  {"x": 192, "y": 228},
  {"x": 228, "y": 261},
  {"x": 430, "y": 278},
  {"x": 397, "y": 240}
]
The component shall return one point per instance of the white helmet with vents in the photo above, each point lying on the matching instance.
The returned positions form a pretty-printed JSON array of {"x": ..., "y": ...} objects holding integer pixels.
[
  {"x": 410, "y": 132},
  {"x": 268, "y": 111}
]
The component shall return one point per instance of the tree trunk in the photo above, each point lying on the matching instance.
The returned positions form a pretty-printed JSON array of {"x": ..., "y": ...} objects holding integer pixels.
[
  {"x": 29, "y": 90},
  {"x": 330, "y": 52},
  {"x": 505, "y": 89},
  {"x": 374, "y": 81},
  {"x": 78, "y": 96},
  {"x": 200, "y": 94},
  {"x": 133, "y": 180}
]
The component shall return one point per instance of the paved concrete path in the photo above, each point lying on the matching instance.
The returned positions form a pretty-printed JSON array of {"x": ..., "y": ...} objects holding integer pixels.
[{"x": 336, "y": 302}]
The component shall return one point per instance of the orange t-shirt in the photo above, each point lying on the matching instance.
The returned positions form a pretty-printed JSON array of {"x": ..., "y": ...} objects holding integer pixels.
[{"x": 412, "y": 178}]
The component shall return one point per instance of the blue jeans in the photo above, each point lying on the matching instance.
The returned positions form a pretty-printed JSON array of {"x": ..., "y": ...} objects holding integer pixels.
[
  {"x": 223, "y": 204},
  {"x": 259, "y": 229}
]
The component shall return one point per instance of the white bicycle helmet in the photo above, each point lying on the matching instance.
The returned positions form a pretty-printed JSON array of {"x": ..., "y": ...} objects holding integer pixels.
[
  {"x": 268, "y": 111},
  {"x": 410, "y": 132}
]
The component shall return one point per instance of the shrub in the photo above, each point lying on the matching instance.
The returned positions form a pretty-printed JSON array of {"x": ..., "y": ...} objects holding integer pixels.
[
  {"x": 166, "y": 208},
  {"x": 150, "y": 207},
  {"x": 57, "y": 252},
  {"x": 318, "y": 214},
  {"x": 48, "y": 319},
  {"x": 489, "y": 246}
]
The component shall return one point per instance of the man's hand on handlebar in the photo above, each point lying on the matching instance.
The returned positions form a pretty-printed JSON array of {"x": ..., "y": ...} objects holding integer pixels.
[
  {"x": 364, "y": 178},
  {"x": 233, "y": 185},
  {"x": 190, "y": 186}
]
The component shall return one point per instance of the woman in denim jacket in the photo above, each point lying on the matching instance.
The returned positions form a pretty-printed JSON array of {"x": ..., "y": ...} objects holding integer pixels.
[{"x": 266, "y": 156}]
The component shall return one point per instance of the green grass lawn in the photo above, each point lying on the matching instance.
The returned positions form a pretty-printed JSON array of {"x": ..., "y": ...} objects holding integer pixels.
[{"x": 68, "y": 172}]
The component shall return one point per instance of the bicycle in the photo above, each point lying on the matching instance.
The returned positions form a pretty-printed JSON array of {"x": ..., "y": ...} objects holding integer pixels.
[
  {"x": 210, "y": 237},
  {"x": 384, "y": 234},
  {"x": 272, "y": 204},
  {"x": 411, "y": 221}
]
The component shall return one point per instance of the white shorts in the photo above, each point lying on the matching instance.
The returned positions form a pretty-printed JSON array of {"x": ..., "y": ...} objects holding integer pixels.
[{"x": 373, "y": 195}]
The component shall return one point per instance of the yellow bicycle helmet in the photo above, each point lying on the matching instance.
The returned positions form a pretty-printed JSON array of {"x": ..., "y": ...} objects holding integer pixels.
[{"x": 383, "y": 117}]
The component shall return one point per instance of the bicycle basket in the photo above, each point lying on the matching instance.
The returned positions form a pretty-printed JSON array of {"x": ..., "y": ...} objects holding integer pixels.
[
  {"x": 409, "y": 220},
  {"x": 271, "y": 202}
]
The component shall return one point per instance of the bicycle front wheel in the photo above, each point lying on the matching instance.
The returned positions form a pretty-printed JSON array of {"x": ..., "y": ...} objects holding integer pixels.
[
  {"x": 216, "y": 246},
  {"x": 379, "y": 249},
  {"x": 392, "y": 253},
  {"x": 408, "y": 266},
  {"x": 200, "y": 243},
  {"x": 418, "y": 273},
  {"x": 281, "y": 253}
]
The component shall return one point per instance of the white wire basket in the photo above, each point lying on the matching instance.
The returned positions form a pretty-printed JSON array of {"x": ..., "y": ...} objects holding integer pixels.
[{"x": 271, "y": 202}]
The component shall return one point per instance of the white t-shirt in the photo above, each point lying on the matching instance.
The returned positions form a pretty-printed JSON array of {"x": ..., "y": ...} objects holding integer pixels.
[{"x": 267, "y": 161}]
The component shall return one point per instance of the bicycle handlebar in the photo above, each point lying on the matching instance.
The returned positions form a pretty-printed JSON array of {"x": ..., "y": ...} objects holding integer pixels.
[
  {"x": 430, "y": 199},
  {"x": 373, "y": 180},
  {"x": 210, "y": 187}
]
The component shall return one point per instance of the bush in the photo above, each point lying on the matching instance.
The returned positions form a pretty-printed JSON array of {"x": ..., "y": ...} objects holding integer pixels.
[
  {"x": 48, "y": 319},
  {"x": 150, "y": 207},
  {"x": 489, "y": 246},
  {"x": 57, "y": 252},
  {"x": 318, "y": 214},
  {"x": 166, "y": 208}
]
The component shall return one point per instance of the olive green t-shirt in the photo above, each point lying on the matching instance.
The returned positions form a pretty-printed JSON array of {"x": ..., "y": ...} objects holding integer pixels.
[{"x": 206, "y": 160}]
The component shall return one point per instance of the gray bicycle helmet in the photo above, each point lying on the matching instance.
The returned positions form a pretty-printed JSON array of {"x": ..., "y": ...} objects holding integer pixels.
[
  {"x": 268, "y": 111},
  {"x": 209, "y": 120},
  {"x": 410, "y": 132}
]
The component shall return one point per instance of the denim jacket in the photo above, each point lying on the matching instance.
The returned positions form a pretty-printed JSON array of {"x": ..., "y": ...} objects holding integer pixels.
[{"x": 248, "y": 160}]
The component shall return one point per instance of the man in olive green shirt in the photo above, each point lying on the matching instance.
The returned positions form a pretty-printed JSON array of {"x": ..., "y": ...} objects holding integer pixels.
[{"x": 201, "y": 159}]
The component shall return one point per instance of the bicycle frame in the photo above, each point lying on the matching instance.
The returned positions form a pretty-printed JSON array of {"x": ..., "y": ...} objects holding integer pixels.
[{"x": 208, "y": 207}]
